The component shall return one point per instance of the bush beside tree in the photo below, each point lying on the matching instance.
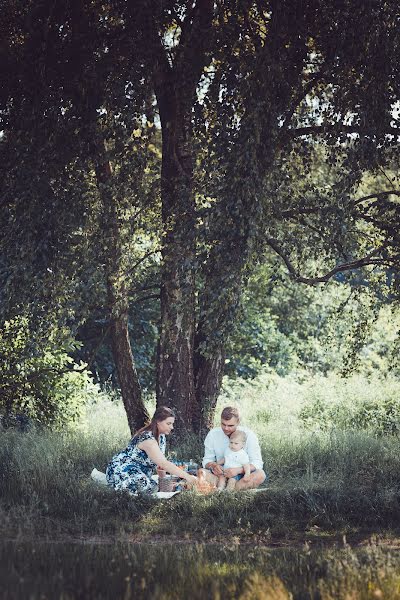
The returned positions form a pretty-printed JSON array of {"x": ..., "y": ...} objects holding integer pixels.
[{"x": 39, "y": 381}]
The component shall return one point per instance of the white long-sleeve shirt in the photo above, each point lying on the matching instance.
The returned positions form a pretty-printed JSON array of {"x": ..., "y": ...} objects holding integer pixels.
[{"x": 216, "y": 443}]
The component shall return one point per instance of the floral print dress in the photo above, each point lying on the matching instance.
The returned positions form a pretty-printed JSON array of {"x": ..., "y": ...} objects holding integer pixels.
[{"x": 132, "y": 468}]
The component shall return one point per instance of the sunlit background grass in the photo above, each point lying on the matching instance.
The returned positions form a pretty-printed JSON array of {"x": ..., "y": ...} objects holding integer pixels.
[
  {"x": 331, "y": 450},
  {"x": 330, "y": 446}
]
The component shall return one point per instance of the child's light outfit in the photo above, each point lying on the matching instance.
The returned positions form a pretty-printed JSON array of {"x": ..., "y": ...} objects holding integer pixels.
[{"x": 235, "y": 458}]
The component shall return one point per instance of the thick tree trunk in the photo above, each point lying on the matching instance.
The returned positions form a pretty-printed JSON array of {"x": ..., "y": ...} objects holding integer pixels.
[
  {"x": 175, "y": 382},
  {"x": 118, "y": 304},
  {"x": 208, "y": 370},
  {"x": 175, "y": 84},
  {"x": 218, "y": 304}
]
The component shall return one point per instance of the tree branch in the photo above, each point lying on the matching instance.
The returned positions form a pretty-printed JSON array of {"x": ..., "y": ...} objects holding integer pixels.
[
  {"x": 149, "y": 297},
  {"x": 302, "y": 94},
  {"x": 367, "y": 260},
  {"x": 161, "y": 68},
  {"x": 293, "y": 213},
  {"x": 142, "y": 259},
  {"x": 339, "y": 128},
  {"x": 194, "y": 44},
  {"x": 377, "y": 195},
  {"x": 385, "y": 175},
  {"x": 146, "y": 288}
]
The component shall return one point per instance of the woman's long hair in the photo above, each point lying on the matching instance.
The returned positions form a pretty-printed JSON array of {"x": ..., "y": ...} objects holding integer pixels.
[{"x": 161, "y": 413}]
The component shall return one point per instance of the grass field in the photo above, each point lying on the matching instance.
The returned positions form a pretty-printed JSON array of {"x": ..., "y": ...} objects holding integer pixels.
[
  {"x": 321, "y": 477},
  {"x": 326, "y": 480}
]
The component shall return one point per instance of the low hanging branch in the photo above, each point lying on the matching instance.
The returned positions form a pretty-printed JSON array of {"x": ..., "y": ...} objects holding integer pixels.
[
  {"x": 131, "y": 269},
  {"x": 369, "y": 259},
  {"x": 340, "y": 128},
  {"x": 315, "y": 210},
  {"x": 378, "y": 196}
]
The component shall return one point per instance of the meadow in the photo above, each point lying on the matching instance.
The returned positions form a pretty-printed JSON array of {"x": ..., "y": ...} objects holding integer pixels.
[{"x": 331, "y": 503}]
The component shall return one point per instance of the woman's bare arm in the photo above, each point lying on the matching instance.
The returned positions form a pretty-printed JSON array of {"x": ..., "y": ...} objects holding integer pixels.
[{"x": 153, "y": 451}]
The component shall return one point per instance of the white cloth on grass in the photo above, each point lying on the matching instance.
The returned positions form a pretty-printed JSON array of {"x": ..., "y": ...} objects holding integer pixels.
[{"x": 101, "y": 479}]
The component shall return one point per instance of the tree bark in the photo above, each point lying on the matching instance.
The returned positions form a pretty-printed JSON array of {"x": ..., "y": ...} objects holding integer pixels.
[
  {"x": 175, "y": 84},
  {"x": 118, "y": 301},
  {"x": 175, "y": 382},
  {"x": 127, "y": 375},
  {"x": 208, "y": 372}
]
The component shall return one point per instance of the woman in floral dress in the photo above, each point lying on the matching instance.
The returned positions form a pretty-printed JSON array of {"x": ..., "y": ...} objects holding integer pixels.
[{"x": 133, "y": 467}]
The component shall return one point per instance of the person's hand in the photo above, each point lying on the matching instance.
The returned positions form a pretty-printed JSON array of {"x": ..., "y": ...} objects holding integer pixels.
[
  {"x": 216, "y": 469},
  {"x": 233, "y": 472},
  {"x": 161, "y": 472},
  {"x": 191, "y": 480}
]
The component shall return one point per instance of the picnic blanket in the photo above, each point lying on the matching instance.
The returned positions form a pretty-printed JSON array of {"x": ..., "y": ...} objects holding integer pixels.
[{"x": 100, "y": 478}]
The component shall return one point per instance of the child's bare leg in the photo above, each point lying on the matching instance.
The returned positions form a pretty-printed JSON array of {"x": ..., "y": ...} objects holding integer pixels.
[
  {"x": 231, "y": 484},
  {"x": 221, "y": 482}
]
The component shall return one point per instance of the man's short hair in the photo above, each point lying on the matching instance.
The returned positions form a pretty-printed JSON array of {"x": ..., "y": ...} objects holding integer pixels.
[{"x": 230, "y": 412}]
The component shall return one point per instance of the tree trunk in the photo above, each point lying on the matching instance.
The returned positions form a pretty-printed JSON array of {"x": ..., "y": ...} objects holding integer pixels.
[
  {"x": 118, "y": 302},
  {"x": 175, "y": 382},
  {"x": 127, "y": 376},
  {"x": 218, "y": 306},
  {"x": 209, "y": 370},
  {"x": 175, "y": 84}
]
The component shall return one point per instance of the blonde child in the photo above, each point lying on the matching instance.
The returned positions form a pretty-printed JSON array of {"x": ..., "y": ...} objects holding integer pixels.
[{"x": 234, "y": 456}]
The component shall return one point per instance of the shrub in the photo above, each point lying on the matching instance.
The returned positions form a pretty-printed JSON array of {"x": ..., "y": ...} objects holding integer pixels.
[{"x": 38, "y": 379}]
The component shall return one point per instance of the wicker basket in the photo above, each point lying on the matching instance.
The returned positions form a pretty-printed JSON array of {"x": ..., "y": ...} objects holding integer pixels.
[{"x": 169, "y": 483}]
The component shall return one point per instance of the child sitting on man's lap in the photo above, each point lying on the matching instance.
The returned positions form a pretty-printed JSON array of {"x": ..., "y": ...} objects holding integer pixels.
[{"x": 235, "y": 456}]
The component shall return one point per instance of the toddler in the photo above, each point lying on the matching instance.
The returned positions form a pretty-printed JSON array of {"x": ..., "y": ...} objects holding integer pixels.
[{"x": 235, "y": 456}]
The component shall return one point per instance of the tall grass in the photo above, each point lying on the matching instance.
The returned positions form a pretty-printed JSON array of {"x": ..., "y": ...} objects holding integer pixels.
[{"x": 329, "y": 478}]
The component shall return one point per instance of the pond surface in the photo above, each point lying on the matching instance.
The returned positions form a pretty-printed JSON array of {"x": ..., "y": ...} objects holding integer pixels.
[{"x": 69, "y": 571}]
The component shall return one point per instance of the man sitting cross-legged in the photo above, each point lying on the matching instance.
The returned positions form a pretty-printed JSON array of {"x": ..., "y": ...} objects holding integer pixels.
[{"x": 215, "y": 445}]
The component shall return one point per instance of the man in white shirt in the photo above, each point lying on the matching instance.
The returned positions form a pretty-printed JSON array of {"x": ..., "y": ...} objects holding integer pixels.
[{"x": 215, "y": 444}]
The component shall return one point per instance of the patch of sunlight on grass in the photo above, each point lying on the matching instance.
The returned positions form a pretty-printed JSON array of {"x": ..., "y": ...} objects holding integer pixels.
[{"x": 259, "y": 587}]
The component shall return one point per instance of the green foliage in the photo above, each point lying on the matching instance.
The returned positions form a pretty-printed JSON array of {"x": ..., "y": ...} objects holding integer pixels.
[
  {"x": 293, "y": 110},
  {"x": 258, "y": 339},
  {"x": 316, "y": 402},
  {"x": 143, "y": 332},
  {"x": 323, "y": 431},
  {"x": 335, "y": 327},
  {"x": 38, "y": 378}
]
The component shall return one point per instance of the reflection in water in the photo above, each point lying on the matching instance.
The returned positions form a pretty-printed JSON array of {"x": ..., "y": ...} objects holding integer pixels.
[{"x": 68, "y": 571}]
